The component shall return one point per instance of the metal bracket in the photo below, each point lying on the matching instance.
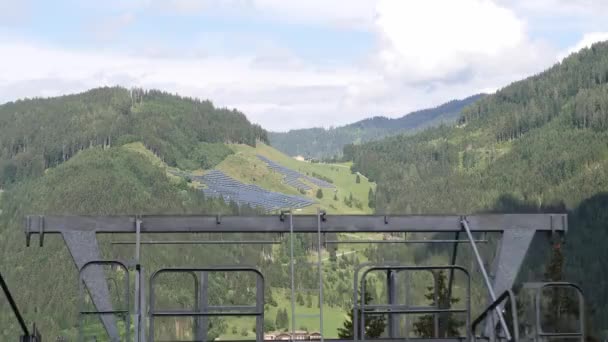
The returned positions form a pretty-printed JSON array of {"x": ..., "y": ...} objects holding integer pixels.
[{"x": 29, "y": 231}]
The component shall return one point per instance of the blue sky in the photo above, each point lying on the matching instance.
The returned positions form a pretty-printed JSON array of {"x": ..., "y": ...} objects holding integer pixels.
[{"x": 291, "y": 64}]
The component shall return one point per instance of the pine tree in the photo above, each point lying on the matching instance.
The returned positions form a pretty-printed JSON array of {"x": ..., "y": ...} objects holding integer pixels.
[
  {"x": 358, "y": 179},
  {"x": 300, "y": 299},
  {"x": 282, "y": 320},
  {"x": 335, "y": 196},
  {"x": 319, "y": 193},
  {"x": 308, "y": 300},
  {"x": 562, "y": 309},
  {"x": 374, "y": 325},
  {"x": 371, "y": 198},
  {"x": 448, "y": 325}
]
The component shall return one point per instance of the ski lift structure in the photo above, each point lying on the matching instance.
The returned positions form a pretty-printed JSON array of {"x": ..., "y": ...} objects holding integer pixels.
[{"x": 495, "y": 323}]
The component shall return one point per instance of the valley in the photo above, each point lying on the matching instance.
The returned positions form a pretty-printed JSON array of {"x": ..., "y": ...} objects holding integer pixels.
[{"x": 539, "y": 145}]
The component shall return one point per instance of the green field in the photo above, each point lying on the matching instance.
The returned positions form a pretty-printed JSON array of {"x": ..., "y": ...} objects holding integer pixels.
[{"x": 245, "y": 166}]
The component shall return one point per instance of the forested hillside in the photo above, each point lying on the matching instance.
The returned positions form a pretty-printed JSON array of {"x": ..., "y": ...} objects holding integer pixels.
[
  {"x": 320, "y": 143},
  {"x": 71, "y": 155},
  {"x": 111, "y": 151},
  {"x": 40, "y": 133},
  {"x": 540, "y": 144}
]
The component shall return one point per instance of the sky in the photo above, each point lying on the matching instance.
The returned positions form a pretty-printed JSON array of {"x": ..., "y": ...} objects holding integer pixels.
[{"x": 291, "y": 64}]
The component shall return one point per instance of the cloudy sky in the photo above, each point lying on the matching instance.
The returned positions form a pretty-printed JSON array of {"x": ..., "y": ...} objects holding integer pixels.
[{"x": 291, "y": 63}]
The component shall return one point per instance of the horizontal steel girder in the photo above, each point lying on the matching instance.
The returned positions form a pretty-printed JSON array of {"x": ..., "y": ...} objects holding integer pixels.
[{"x": 302, "y": 223}]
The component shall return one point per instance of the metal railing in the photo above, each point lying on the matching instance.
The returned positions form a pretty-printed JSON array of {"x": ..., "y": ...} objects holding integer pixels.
[
  {"x": 399, "y": 309},
  {"x": 488, "y": 312},
  {"x": 538, "y": 289},
  {"x": 125, "y": 313},
  {"x": 256, "y": 310}
]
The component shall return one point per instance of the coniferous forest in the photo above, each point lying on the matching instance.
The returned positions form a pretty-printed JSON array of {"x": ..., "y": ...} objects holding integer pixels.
[{"x": 538, "y": 145}]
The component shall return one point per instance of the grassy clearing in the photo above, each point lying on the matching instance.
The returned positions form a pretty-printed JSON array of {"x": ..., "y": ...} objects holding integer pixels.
[
  {"x": 245, "y": 166},
  {"x": 333, "y": 317}
]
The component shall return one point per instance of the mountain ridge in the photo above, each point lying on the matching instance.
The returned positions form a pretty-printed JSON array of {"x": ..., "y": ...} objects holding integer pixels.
[
  {"x": 322, "y": 143},
  {"x": 536, "y": 145}
]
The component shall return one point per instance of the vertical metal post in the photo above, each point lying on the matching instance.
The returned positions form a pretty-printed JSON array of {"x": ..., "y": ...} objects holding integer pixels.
[
  {"x": 203, "y": 298},
  {"x": 320, "y": 275},
  {"x": 259, "y": 303},
  {"x": 437, "y": 306},
  {"x": 393, "y": 320},
  {"x": 137, "y": 309},
  {"x": 446, "y": 317},
  {"x": 293, "y": 288},
  {"x": 142, "y": 305},
  {"x": 482, "y": 269},
  {"x": 452, "y": 263},
  {"x": 408, "y": 302}
]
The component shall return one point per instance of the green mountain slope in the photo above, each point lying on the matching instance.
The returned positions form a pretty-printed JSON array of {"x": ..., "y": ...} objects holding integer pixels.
[
  {"x": 320, "y": 143},
  {"x": 40, "y": 133},
  {"x": 540, "y": 144},
  {"x": 110, "y": 151},
  {"x": 119, "y": 180}
]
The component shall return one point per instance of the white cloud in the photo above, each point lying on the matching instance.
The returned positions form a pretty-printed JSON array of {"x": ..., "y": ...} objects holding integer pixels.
[
  {"x": 433, "y": 39},
  {"x": 586, "y": 42},
  {"x": 31, "y": 70},
  {"x": 428, "y": 52}
]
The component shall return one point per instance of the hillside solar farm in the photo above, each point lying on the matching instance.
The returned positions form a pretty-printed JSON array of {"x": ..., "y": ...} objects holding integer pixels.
[
  {"x": 221, "y": 185},
  {"x": 294, "y": 178}
]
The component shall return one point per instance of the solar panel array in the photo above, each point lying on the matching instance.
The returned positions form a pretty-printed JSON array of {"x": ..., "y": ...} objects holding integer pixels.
[
  {"x": 230, "y": 189},
  {"x": 292, "y": 177}
]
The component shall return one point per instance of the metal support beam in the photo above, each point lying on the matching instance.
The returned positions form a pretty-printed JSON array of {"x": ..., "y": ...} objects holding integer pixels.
[
  {"x": 452, "y": 263},
  {"x": 292, "y": 273},
  {"x": 320, "y": 270},
  {"x": 393, "y": 320},
  {"x": 200, "y": 242},
  {"x": 259, "y": 305},
  {"x": 137, "y": 310},
  {"x": 203, "y": 304},
  {"x": 301, "y": 224},
  {"x": 429, "y": 241},
  {"x": 482, "y": 269},
  {"x": 83, "y": 248}
]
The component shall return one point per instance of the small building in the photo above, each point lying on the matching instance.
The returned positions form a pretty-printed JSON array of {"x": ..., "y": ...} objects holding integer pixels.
[
  {"x": 299, "y": 335},
  {"x": 314, "y": 336}
]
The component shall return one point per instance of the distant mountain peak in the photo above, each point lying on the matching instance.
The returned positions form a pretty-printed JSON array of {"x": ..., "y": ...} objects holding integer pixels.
[{"x": 322, "y": 143}]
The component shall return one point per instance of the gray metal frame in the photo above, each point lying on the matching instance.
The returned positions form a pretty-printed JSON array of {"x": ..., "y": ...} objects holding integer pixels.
[
  {"x": 395, "y": 309},
  {"x": 208, "y": 311},
  {"x": 103, "y": 313},
  {"x": 79, "y": 233},
  {"x": 538, "y": 293},
  {"x": 507, "y": 295},
  {"x": 41, "y": 225}
]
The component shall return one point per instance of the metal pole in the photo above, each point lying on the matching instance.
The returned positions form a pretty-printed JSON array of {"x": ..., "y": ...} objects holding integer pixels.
[
  {"x": 259, "y": 305},
  {"x": 393, "y": 322},
  {"x": 320, "y": 275},
  {"x": 203, "y": 321},
  {"x": 293, "y": 289},
  {"x": 451, "y": 277},
  {"x": 137, "y": 309},
  {"x": 13, "y": 305},
  {"x": 486, "y": 279},
  {"x": 199, "y": 242}
]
